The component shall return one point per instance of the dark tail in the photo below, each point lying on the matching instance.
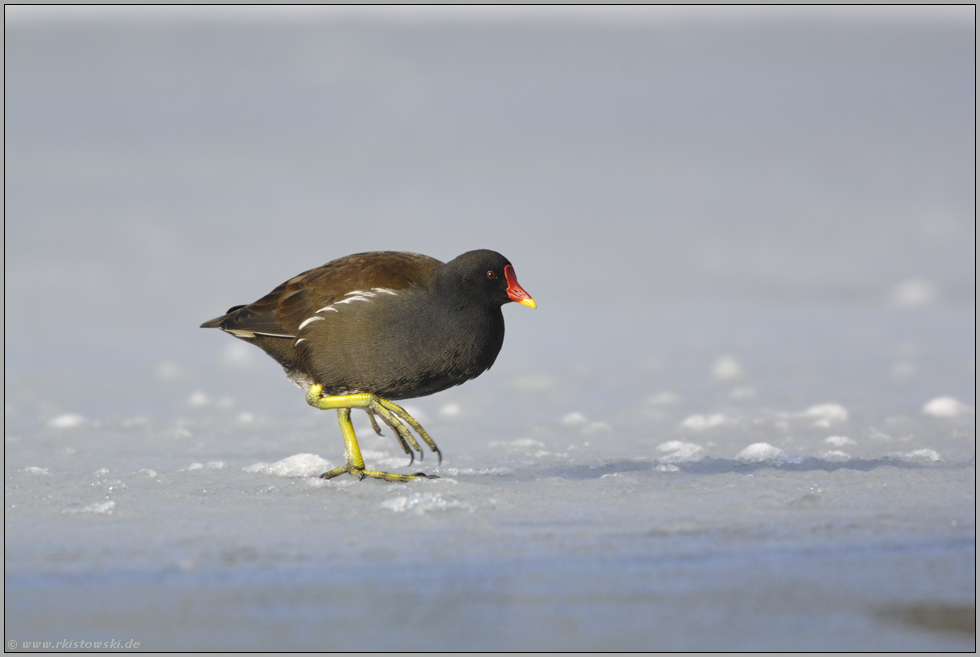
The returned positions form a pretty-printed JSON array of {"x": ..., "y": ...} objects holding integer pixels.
[{"x": 218, "y": 321}]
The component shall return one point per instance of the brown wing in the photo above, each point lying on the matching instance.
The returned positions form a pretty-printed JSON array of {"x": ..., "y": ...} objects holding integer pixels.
[{"x": 280, "y": 312}]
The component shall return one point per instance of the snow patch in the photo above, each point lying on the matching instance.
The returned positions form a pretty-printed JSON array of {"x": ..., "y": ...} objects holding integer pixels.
[
  {"x": 33, "y": 469},
  {"x": 823, "y": 414},
  {"x": 726, "y": 368},
  {"x": 577, "y": 420},
  {"x": 535, "y": 383},
  {"x": 417, "y": 413},
  {"x": 914, "y": 293},
  {"x": 678, "y": 451},
  {"x": 903, "y": 370},
  {"x": 422, "y": 503},
  {"x": 298, "y": 465},
  {"x": 168, "y": 370},
  {"x": 765, "y": 453},
  {"x": 596, "y": 427},
  {"x": 829, "y": 412},
  {"x": 664, "y": 398},
  {"x": 520, "y": 442},
  {"x": 210, "y": 465},
  {"x": 922, "y": 456},
  {"x": 498, "y": 471},
  {"x": 198, "y": 400},
  {"x": 450, "y": 411},
  {"x": 66, "y": 421},
  {"x": 743, "y": 393},
  {"x": 947, "y": 407},
  {"x": 237, "y": 355},
  {"x": 702, "y": 422},
  {"x": 98, "y": 508}
]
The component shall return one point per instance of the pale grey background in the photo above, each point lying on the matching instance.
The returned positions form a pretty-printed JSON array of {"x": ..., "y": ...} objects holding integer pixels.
[{"x": 791, "y": 189}]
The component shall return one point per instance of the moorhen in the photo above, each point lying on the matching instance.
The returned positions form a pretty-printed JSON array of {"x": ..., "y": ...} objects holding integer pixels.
[{"x": 371, "y": 327}]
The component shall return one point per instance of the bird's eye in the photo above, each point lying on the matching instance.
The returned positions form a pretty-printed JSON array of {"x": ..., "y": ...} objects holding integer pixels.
[{"x": 491, "y": 275}]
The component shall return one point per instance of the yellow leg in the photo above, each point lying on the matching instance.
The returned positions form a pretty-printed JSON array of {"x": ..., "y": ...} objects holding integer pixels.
[{"x": 392, "y": 414}]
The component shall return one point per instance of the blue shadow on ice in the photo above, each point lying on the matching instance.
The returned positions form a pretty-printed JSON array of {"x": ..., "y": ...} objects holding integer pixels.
[{"x": 709, "y": 466}]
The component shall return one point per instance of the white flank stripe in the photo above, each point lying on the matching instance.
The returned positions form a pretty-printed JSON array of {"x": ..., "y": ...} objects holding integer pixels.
[
  {"x": 360, "y": 293},
  {"x": 308, "y": 320},
  {"x": 337, "y": 303},
  {"x": 384, "y": 290},
  {"x": 330, "y": 308},
  {"x": 298, "y": 341}
]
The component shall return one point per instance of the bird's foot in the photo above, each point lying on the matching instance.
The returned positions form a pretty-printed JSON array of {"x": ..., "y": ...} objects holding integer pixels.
[
  {"x": 361, "y": 473},
  {"x": 392, "y": 414}
]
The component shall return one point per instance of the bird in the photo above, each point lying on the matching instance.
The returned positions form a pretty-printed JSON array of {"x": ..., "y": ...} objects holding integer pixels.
[{"x": 369, "y": 328}]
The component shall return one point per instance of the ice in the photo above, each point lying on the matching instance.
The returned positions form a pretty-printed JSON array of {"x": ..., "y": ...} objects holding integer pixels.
[{"x": 741, "y": 418}]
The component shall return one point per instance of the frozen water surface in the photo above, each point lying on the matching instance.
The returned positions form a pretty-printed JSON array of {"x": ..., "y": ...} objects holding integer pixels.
[{"x": 741, "y": 418}]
